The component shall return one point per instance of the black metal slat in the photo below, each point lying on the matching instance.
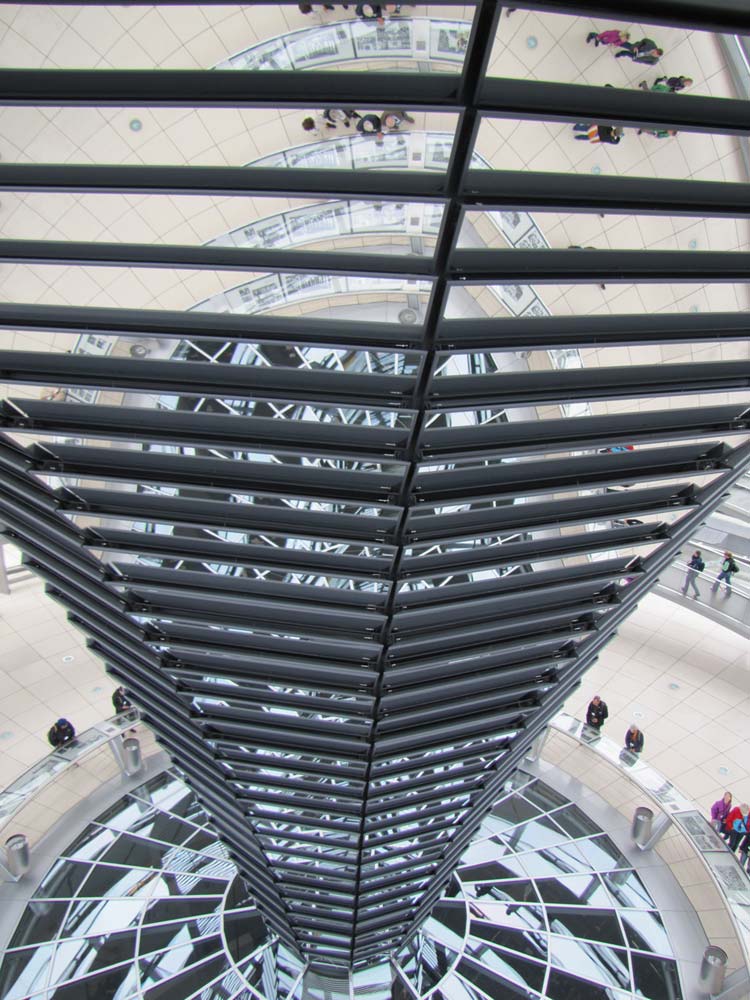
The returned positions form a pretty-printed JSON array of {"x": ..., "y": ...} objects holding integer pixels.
[
  {"x": 202, "y": 378},
  {"x": 561, "y": 267},
  {"x": 200, "y": 546},
  {"x": 198, "y": 325},
  {"x": 523, "y": 437},
  {"x": 615, "y": 382},
  {"x": 189, "y": 635},
  {"x": 215, "y": 474},
  {"x": 222, "y": 515},
  {"x": 632, "y": 503},
  {"x": 549, "y": 332},
  {"x": 203, "y": 429},
  {"x": 511, "y": 553},
  {"x": 500, "y": 481},
  {"x": 545, "y": 191},
  {"x": 530, "y": 100}
]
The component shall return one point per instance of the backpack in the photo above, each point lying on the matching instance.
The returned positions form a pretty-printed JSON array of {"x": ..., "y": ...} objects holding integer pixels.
[
  {"x": 733, "y": 567},
  {"x": 700, "y": 565}
]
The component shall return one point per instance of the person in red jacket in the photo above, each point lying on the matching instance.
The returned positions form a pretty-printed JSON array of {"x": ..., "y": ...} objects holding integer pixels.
[{"x": 734, "y": 813}]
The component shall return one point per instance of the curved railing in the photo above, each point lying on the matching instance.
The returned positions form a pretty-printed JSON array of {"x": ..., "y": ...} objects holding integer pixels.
[
  {"x": 719, "y": 890},
  {"x": 51, "y": 787}
]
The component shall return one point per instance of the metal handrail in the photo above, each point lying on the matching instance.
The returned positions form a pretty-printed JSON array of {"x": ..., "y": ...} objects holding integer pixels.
[
  {"x": 714, "y": 853},
  {"x": 25, "y": 788}
]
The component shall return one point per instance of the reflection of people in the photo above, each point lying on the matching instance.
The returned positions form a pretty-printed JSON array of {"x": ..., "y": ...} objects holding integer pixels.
[
  {"x": 667, "y": 84},
  {"x": 658, "y": 133},
  {"x": 318, "y": 124},
  {"x": 634, "y": 739},
  {"x": 61, "y": 734},
  {"x": 370, "y": 12},
  {"x": 609, "y": 134},
  {"x": 54, "y": 395},
  {"x": 612, "y": 36},
  {"x": 673, "y": 83},
  {"x": 393, "y": 118},
  {"x": 644, "y": 51},
  {"x": 341, "y": 116},
  {"x": 597, "y": 713},
  {"x": 371, "y": 125}
]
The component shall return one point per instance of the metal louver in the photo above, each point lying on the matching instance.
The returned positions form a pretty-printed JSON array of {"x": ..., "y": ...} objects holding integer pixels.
[{"x": 403, "y": 601}]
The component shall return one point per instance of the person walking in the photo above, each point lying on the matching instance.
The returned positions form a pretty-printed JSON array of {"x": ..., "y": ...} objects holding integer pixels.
[
  {"x": 61, "y": 734},
  {"x": 643, "y": 51},
  {"x": 614, "y": 36},
  {"x": 611, "y": 135},
  {"x": 633, "y": 739},
  {"x": 596, "y": 713},
  {"x": 720, "y": 810},
  {"x": 728, "y": 568},
  {"x": 694, "y": 568}
]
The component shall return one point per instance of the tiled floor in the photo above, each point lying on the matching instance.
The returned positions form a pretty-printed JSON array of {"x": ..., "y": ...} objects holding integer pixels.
[
  {"x": 686, "y": 682},
  {"x": 46, "y": 672}
]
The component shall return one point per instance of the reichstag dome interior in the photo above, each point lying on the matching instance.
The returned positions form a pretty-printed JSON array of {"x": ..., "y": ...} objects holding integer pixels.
[{"x": 466, "y": 287}]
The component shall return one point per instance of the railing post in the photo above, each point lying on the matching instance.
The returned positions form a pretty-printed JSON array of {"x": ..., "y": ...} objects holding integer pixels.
[{"x": 17, "y": 857}]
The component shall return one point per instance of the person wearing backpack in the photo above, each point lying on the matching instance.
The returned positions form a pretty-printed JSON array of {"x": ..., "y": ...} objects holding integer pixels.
[
  {"x": 644, "y": 51},
  {"x": 740, "y": 827},
  {"x": 61, "y": 734},
  {"x": 694, "y": 567},
  {"x": 728, "y": 568}
]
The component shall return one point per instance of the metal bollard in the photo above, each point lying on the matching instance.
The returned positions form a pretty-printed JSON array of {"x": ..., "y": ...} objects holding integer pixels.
[
  {"x": 17, "y": 855},
  {"x": 640, "y": 831},
  {"x": 712, "y": 970},
  {"x": 131, "y": 753}
]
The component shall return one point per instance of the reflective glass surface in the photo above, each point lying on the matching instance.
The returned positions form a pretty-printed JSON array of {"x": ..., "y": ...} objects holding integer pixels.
[{"x": 524, "y": 921}]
